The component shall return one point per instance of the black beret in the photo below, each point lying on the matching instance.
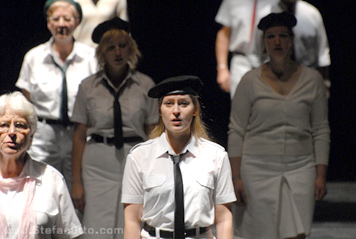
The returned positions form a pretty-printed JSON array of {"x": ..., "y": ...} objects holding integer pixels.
[
  {"x": 74, "y": 3},
  {"x": 277, "y": 19},
  {"x": 115, "y": 23},
  {"x": 185, "y": 84}
]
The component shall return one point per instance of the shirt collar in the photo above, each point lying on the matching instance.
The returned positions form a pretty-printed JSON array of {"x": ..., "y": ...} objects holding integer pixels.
[
  {"x": 129, "y": 77},
  {"x": 164, "y": 147},
  {"x": 76, "y": 52},
  {"x": 29, "y": 170}
]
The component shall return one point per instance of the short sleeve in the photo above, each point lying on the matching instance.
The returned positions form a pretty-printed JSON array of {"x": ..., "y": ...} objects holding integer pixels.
[
  {"x": 132, "y": 190},
  {"x": 224, "y": 190},
  {"x": 80, "y": 114}
]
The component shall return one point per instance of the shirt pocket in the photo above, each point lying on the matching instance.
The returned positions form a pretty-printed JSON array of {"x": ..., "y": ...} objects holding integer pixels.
[
  {"x": 153, "y": 180},
  {"x": 46, "y": 211},
  {"x": 203, "y": 196}
]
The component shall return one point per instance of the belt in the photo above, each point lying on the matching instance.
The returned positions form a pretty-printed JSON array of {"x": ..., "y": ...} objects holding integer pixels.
[
  {"x": 238, "y": 53},
  {"x": 100, "y": 139},
  {"x": 51, "y": 121},
  {"x": 169, "y": 234}
]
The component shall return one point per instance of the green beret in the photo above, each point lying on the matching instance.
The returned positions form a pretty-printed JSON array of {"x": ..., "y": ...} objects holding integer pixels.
[
  {"x": 75, "y": 4},
  {"x": 179, "y": 85},
  {"x": 284, "y": 19},
  {"x": 114, "y": 23}
]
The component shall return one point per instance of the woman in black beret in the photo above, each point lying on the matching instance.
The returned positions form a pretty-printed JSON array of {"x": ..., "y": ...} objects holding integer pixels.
[
  {"x": 278, "y": 140},
  {"x": 178, "y": 183},
  {"x": 112, "y": 109}
]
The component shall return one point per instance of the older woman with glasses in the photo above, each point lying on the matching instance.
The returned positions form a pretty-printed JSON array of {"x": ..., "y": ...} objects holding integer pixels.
[{"x": 35, "y": 202}]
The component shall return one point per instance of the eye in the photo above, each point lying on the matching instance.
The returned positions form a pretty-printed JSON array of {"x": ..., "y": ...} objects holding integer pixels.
[
  {"x": 184, "y": 103},
  {"x": 4, "y": 125},
  {"x": 21, "y": 125},
  {"x": 110, "y": 48},
  {"x": 68, "y": 19},
  {"x": 54, "y": 19},
  {"x": 270, "y": 36},
  {"x": 122, "y": 45},
  {"x": 167, "y": 103}
]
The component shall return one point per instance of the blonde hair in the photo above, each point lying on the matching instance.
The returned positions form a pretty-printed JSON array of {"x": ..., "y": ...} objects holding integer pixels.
[
  {"x": 198, "y": 128},
  {"x": 134, "y": 53},
  {"x": 18, "y": 103},
  {"x": 58, "y": 4}
]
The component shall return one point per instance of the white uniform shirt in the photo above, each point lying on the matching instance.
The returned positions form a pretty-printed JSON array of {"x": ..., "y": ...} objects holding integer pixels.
[
  {"x": 148, "y": 180},
  {"x": 94, "y": 105},
  {"x": 96, "y": 14},
  {"x": 238, "y": 15},
  {"x": 56, "y": 217},
  {"x": 43, "y": 78}
]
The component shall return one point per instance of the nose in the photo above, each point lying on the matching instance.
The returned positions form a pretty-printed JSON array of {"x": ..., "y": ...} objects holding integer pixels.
[
  {"x": 12, "y": 130},
  {"x": 277, "y": 40},
  {"x": 176, "y": 110},
  {"x": 117, "y": 50}
]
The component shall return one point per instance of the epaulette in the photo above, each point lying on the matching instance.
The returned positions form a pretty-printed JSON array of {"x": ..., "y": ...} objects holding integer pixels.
[{"x": 148, "y": 142}]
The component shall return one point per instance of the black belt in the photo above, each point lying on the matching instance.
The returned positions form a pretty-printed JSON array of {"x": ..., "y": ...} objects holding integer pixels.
[
  {"x": 51, "y": 121},
  {"x": 101, "y": 139},
  {"x": 169, "y": 234},
  {"x": 238, "y": 53}
]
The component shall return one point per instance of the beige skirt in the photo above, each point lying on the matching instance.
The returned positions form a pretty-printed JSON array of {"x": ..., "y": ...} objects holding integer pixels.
[{"x": 280, "y": 194}]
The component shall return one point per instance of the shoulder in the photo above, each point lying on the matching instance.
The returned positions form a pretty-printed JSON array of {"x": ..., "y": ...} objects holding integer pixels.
[
  {"x": 143, "y": 79},
  {"x": 45, "y": 171},
  {"x": 210, "y": 148},
  {"x": 81, "y": 48},
  {"x": 143, "y": 147},
  {"x": 92, "y": 80},
  {"x": 307, "y": 10},
  {"x": 39, "y": 51}
]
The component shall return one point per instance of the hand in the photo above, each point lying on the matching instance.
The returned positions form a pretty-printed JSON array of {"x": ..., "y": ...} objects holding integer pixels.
[
  {"x": 240, "y": 193},
  {"x": 78, "y": 198},
  {"x": 320, "y": 189},
  {"x": 223, "y": 79}
]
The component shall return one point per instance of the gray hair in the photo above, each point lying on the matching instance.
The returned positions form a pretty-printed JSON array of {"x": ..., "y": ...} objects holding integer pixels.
[{"x": 18, "y": 103}]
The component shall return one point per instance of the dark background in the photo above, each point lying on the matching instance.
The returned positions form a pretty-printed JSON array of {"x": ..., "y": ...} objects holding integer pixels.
[{"x": 178, "y": 37}]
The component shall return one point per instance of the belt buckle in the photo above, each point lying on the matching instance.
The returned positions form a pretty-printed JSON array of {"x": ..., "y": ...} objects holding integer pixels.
[{"x": 105, "y": 140}]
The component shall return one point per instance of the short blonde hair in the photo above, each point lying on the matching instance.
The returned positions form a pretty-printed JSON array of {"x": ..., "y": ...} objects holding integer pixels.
[
  {"x": 134, "y": 53},
  {"x": 198, "y": 128},
  {"x": 58, "y": 4}
]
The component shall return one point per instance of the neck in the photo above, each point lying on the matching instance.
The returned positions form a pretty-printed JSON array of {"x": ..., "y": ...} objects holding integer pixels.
[
  {"x": 288, "y": 7},
  {"x": 178, "y": 140},
  {"x": 63, "y": 48},
  {"x": 116, "y": 76},
  {"x": 11, "y": 166},
  {"x": 281, "y": 69}
]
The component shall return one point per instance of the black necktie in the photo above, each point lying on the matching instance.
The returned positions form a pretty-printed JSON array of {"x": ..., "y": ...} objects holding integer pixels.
[
  {"x": 118, "y": 134},
  {"x": 179, "y": 200},
  {"x": 64, "y": 97}
]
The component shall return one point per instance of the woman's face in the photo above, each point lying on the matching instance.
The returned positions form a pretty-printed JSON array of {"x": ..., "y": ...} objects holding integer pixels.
[
  {"x": 117, "y": 52},
  {"x": 278, "y": 42},
  {"x": 14, "y": 133},
  {"x": 62, "y": 22},
  {"x": 177, "y": 112}
]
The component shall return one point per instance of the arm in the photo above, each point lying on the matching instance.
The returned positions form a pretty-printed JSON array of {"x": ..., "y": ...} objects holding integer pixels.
[
  {"x": 26, "y": 94},
  {"x": 320, "y": 182},
  {"x": 223, "y": 221},
  {"x": 236, "y": 179},
  {"x": 133, "y": 213},
  {"x": 222, "y": 52},
  {"x": 79, "y": 142},
  {"x": 324, "y": 71}
]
